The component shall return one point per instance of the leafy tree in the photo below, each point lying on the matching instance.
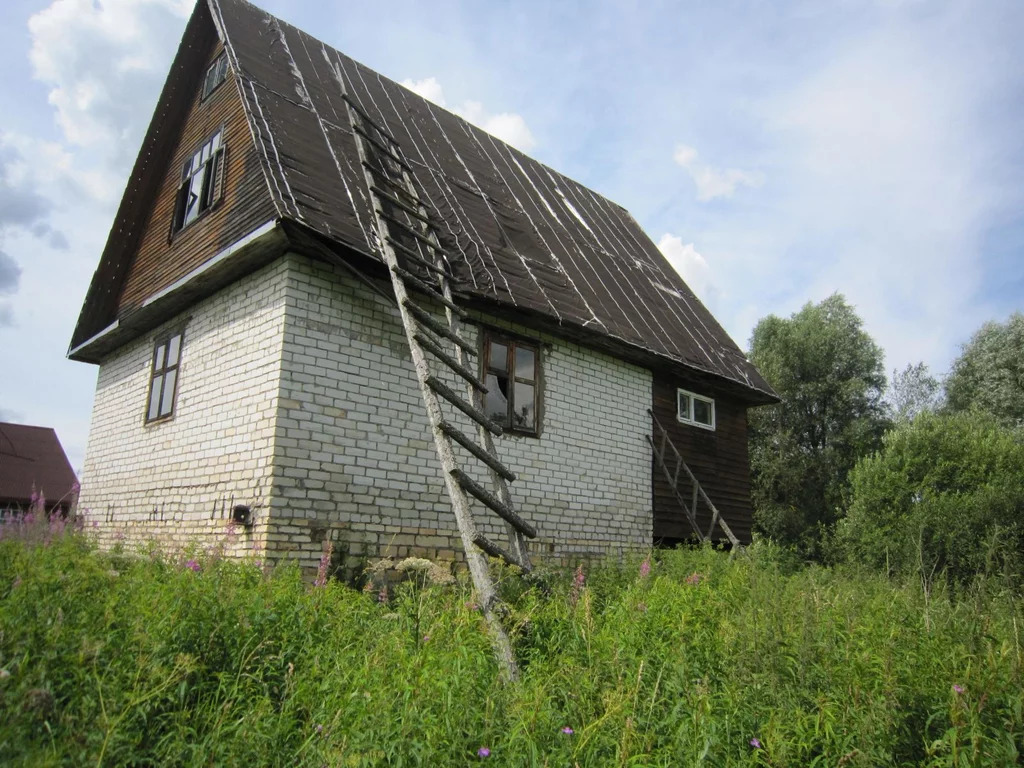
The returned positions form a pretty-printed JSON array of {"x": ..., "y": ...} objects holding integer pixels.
[
  {"x": 829, "y": 373},
  {"x": 914, "y": 390},
  {"x": 945, "y": 492},
  {"x": 989, "y": 374}
]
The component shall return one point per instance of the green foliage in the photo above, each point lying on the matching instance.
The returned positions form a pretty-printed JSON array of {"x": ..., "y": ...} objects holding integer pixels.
[
  {"x": 989, "y": 374},
  {"x": 945, "y": 492},
  {"x": 829, "y": 374},
  {"x": 914, "y": 390},
  {"x": 143, "y": 661}
]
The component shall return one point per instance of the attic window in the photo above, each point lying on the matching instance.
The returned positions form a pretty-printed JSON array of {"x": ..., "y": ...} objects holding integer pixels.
[
  {"x": 202, "y": 183},
  {"x": 512, "y": 378},
  {"x": 215, "y": 75},
  {"x": 163, "y": 381},
  {"x": 695, "y": 409}
]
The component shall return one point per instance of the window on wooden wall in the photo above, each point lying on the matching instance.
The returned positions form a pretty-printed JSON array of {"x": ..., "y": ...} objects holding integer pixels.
[
  {"x": 695, "y": 409},
  {"x": 215, "y": 75},
  {"x": 202, "y": 183},
  {"x": 163, "y": 381},
  {"x": 512, "y": 378}
]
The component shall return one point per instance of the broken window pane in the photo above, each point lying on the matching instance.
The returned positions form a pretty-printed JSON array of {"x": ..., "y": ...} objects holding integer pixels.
[
  {"x": 496, "y": 399},
  {"x": 525, "y": 363},
  {"x": 499, "y": 356},
  {"x": 525, "y": 409}
]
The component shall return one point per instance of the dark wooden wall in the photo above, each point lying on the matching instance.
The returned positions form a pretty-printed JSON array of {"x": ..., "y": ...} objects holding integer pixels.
[
  {"x": 245, "y": 206},
  {"x": 719, "y": 459}
]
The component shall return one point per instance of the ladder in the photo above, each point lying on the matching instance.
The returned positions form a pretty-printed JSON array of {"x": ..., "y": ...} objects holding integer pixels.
[
  {"x": 672, "y": 465},
  {"x": 417, "y": 261}
]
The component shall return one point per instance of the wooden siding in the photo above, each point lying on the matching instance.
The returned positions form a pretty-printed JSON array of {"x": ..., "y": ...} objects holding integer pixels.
[
  {"x": 246, "y": 203},
  {"x": 719, "y": 459}
]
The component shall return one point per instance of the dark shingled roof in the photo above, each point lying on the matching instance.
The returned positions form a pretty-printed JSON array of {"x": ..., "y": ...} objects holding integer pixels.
[
  {"x": 523, "y": 237},
  {"x": 32, "y": 461}
]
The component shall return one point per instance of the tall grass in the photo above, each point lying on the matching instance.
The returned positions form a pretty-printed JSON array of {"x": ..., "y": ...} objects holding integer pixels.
[{"x": 697, "y": 660}]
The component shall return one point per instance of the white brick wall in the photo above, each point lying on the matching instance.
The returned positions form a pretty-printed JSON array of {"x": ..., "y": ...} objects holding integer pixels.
[
  {"x": 176, "y": 481},
  {"x": 297, "y": 396},
  {"x": 354, "y": 458}
]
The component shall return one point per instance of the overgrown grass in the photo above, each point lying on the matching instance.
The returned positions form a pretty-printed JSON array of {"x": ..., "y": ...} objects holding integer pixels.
[{"x": 111, "y": 660}]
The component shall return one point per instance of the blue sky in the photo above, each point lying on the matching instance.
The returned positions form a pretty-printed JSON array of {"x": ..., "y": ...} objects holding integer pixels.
[{"x": 777, "y": 152}]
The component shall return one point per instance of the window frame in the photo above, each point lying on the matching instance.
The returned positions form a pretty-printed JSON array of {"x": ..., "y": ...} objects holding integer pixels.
[
  {"x": 163, "y": 342},
  {"x": 212, "y": 189},
  {"x": 510, "y": 341},
  {"x": 688, "y": 418},
  {"x": 219, "y": 63}
]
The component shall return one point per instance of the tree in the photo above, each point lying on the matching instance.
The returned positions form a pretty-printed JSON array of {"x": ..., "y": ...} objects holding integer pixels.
[
  {"x": 946, "y": 492},
  {"x": 989, "y": 374},
  {"x": 914, "y": 390},
  {"x": 829, "y": 374}
]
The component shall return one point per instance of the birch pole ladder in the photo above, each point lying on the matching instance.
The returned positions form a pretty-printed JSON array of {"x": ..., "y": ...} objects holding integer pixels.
[{"x": 417, "y": 261}]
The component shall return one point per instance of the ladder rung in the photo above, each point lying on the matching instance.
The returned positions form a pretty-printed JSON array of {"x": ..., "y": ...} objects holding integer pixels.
[
  {"x": 444, "y": 391},
  {"x": 426, "y": 319},
  {"x": 424, "y": 287},
  {"x": 399, "y": 204},
  {"x": 406, "y": 228},
  {"x": 477, "y": 451},
  {"x": 470, "y": 486},
  {"x": 428, "y": 344},
  {"x": 410, "y": 254},
  {"x": 366, "y": 118},
  {"x": 387, "y": 151},
  {"x": 383, "y": 176},
  {"x": 494, "y": 550}
]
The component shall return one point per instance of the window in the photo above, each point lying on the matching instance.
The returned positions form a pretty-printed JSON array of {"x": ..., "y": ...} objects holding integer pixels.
[
  {"x": 695, "y": 409},
  {"x": 215, "y": 75},
  {"x": 512, "y": 378},
  {"x": 202, "y": 183},
  {"x": 163, "y": 383}
]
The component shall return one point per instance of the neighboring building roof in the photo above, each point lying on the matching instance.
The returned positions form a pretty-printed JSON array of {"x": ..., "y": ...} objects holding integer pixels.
[
  {"x": 523, "y": 236},
  {"x": 32, "y": 460}
]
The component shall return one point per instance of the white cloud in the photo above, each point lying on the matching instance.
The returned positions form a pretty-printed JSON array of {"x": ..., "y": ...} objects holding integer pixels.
[
  {"x": 510, "y": 127},
  {"x": 690, "y": 265},
  {"x": 714, "y": 182}
]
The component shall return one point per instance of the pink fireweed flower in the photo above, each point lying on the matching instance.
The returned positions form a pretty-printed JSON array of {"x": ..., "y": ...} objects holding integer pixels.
[
  {"x": 426, "y": 638},
  {"x": 483, "y": 752},
  {"x": 958, "y": 688},
  {"x": 568, "y": 731},
  {"x": 325, "y": 564},
  {"x": 579, "y": 581},
  {"x": 756, "y": 743},
  {"x": 694, "y": 579},
  {"x": 382, "y": 596},
  {"x": 192, "y": 565},
  {"x": 645, "y": 568}
]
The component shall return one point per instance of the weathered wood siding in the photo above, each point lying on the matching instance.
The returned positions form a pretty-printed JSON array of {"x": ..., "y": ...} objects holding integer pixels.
[
  {"x": 719, "y": 459},
  {"x": 246, "y": 204}
]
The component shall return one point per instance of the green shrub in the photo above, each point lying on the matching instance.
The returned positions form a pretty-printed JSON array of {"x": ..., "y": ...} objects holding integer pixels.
[{"x": 945, "y": 493}]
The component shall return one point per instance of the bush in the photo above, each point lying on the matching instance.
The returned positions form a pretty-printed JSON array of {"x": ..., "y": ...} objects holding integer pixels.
[{"x": 945, "y": 494}]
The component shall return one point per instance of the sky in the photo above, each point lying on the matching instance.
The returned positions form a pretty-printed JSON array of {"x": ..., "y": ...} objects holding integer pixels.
[{"x": 777, "y": 152}]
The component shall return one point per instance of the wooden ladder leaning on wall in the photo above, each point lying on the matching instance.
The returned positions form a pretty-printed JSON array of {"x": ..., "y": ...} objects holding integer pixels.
[
  {"x": 416, "y": 261},
  {"x": 672, "y": 465}
]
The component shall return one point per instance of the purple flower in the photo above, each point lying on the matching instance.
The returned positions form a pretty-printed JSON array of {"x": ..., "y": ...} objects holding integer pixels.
[
  {"x": 756, "y": 743},
  {"x": 958, "y": 688},
  {"x": 192, "y": 565},
  {"x": 426, "y": 638},
  {"x": 578, "y": 582},
  {"x": 325, "y": 564},
  {"x": 694, "y": 579},
  {"x": 382, "y": 596},
  {"x": 483, "y": 752},
  {"x": 568, "y": 731},
  {"x": 645, "y": 567},
  {"x": 319, "y": 728}
]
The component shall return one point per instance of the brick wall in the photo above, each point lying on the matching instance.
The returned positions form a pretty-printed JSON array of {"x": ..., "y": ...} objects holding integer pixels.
[
  {"x": 176, "y": 481},
  {"x": 354, "y": 460}
]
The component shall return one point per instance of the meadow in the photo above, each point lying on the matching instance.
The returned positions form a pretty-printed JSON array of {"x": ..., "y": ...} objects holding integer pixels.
[{"x": 688, "y": 657}]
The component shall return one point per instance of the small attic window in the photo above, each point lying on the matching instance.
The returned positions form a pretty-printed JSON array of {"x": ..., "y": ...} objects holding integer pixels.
[
  {"x": 215, "y": 75},
  {"x": 695, "y": 409},
  {"x": 202, "y": 183}
]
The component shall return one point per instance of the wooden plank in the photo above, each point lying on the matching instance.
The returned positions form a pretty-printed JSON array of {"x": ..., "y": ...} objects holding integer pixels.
[
  {"x": 488, "y": 499},
  {"x": 452, "y": 397},
  {"x": 476, "y": 450},
  {"x": 427, "y": 343},
  {"x": 427, "y": 320}
]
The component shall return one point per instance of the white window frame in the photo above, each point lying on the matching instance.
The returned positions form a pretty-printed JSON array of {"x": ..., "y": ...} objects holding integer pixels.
[{"x": 687, "y": 418}]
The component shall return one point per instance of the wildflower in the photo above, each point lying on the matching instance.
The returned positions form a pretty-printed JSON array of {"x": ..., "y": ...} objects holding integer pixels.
[
  {"x": 325, "y": 564},
  {"x": 578, "y": 582},
  {"x": 426, "y": 638},
  {"x": 192, "y": 565},
  {"x": 958, "y": 688},
  {"x": 645, "y": 567},
  {"x": 694, "y": 579},
  {"x": 483, "y": 752},
  {"x": 756, "y": 743},
  {"x": 319, "y": 728},
  {"x": 568, "y": 731},
  {"x": 470, "y": 605},
  {"x": 382, "y": 596}
]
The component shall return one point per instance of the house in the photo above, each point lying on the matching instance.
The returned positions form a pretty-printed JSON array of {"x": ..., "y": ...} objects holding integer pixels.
[
  {"x": 253, "y": 364},
  {"x": 33, "y": 465}
]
